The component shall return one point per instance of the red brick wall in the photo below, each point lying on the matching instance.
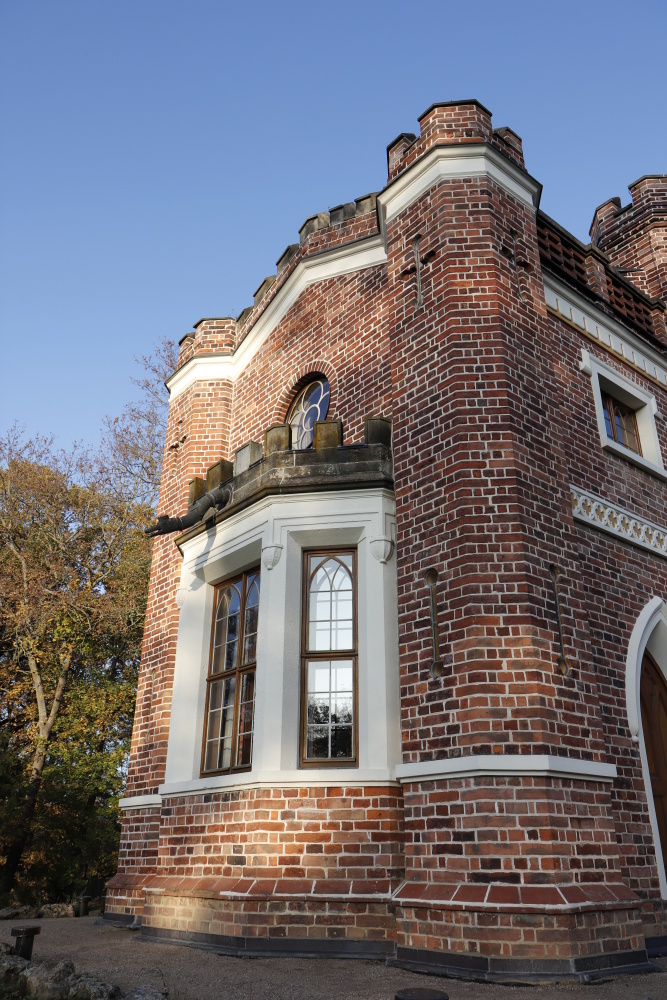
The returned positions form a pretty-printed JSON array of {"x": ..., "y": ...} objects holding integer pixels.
[
  {"x": 482, "y": 491},
  {"x": 341, "y": 321},
  {"x": 635, "y": 237},
  {"x": 617, "y": 581},
  {"x": 302, "y": 840},
  {"x": 517, "y": 831}
]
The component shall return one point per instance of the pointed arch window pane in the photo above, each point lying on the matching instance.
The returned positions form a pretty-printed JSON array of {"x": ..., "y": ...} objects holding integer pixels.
[
  {"x": 329, "y": 660},
  {"x": 310, "y": 405},
  {"x": 251, "y": 614},
  {"x": 331, "y": 604},
  {"x": 227, "y": 622}
]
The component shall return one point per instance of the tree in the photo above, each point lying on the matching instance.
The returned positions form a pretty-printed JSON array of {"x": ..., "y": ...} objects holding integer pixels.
[
  {"x": 74, "y": 565},
  {"x": 73, "y": 579},
  {"x": 133, "y": 444}
]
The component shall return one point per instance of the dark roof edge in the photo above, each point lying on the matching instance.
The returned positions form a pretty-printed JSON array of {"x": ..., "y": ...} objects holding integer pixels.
[{"x": 453, "y": 104}]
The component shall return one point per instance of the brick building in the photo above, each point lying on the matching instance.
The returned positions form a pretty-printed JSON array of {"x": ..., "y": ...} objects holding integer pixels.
[{"x": 403, "y": 689}]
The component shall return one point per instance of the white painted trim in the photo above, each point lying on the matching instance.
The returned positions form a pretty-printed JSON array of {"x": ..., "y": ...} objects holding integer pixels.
[
  {"x": 316, "y": 777},
  {"x": 599, "y": 513},
  {"x": 608, "y": 379},
  {"x": 447, "y": 162},
  {"x": 140, "y": 802},
  {"x": 330, "y": 264},
  {"x": 504, "y": 765},
  {"x": 292, "y": 522},
  {"x": 650, "y": 632},
  {"x": 610, "y": 334}
]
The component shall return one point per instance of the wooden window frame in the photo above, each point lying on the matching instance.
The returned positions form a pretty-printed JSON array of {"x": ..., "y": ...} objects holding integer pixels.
[
  {"x": 299, "y": 394},
  {"x": 611, "y": 404},
  {"x": 239, "y": 670},
  {"x": 344, "y": 654}
]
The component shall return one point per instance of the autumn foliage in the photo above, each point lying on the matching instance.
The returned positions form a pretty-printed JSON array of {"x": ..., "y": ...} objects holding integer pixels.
[{"x": 74, "y": 565}]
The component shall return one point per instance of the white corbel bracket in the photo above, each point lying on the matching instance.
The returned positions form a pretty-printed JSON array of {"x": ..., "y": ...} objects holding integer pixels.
[
  {"x": 382, "y": 548},
  {"x": 271, "y": 555}
]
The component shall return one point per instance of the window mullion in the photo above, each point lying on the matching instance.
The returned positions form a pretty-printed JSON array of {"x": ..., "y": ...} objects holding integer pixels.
[
  {"x": 237, "y": 674},
  {"x": 329, "y": 700}
]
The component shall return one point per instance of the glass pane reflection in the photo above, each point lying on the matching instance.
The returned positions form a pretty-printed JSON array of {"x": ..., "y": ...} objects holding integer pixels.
[
  {"x": 331, "y": 603},
  {"x": 226, "y": 637},
  {"x": 330, "y": 709},
  {"x": 310, "y": 405}
]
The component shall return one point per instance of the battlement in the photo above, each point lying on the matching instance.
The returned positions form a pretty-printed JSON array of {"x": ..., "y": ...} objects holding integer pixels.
[
  {"x": 216, "y": 335},
  {"x": 321, "y": 231},
  {"x": 634, "y": 236},
  {"x": 451, "y": 123},
  {"x": 281, "y": 469}
]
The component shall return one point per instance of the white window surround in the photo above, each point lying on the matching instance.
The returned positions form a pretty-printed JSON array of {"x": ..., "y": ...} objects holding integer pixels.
[
  {"x": 281, "y": 527},
  {"x": 649, "y": 633},
  {"x": 604, "y": 378}
]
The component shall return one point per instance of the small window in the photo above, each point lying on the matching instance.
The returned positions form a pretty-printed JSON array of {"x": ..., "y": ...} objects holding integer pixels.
[
  {"x": 621, "y": 423},
  {"x": 329, "y": 659},
  {"x": 230, "y": 689},
  {"x": 311, "y": 404},
  {"x": 626, "y": 416}
]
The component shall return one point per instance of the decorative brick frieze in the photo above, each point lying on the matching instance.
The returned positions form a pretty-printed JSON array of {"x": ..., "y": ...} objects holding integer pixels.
[{"x": 599, "y": 513}]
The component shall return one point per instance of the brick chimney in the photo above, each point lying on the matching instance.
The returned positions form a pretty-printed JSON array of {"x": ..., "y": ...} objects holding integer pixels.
[{"x": 635, "y": 237}]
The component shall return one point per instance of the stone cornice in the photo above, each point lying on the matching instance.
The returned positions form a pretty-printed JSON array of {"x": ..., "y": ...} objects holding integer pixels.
[
  {"x": 452, "y": 161},
  {"x": 351, "y": 257},
  {"x": 506, "y": 765},
  {"x": 611, "y": 335}
]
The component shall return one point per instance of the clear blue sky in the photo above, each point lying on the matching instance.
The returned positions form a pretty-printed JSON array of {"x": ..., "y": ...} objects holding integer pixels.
[{"x": 157, "y": 157}]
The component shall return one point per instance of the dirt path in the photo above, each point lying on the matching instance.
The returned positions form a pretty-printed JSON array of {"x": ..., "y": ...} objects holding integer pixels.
[{"x": 119, "y": 956}]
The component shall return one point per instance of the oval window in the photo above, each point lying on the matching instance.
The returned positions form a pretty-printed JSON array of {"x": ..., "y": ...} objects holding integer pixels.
[{"x": 311, "y": 404}]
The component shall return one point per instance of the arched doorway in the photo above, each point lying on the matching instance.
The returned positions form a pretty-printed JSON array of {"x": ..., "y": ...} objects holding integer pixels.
[
  {"x": 643, "y": 688},
  {"x": 653, "y": 701}
]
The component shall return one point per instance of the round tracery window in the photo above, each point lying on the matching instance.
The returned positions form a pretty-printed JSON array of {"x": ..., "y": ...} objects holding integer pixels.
[{"x": 310, "y": 405}]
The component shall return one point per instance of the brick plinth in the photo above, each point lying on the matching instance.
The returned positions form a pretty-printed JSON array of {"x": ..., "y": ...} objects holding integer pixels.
[
  {"x": 125, "y": 898},
  {"x": 521, "y": 945},
  {"x": 332, "y": 841},
  {"x": 137, "y": 860},
  {"x": 362, "y": 928}
]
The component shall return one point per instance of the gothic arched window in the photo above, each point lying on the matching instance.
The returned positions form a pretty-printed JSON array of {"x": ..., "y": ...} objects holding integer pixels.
[
  {"x": 329, "y": 659},
  {"x": 311, "y": 404}
]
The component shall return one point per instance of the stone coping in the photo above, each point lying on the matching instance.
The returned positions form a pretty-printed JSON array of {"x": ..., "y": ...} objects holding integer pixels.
[
  {"x": 501, "y": 897},
  {"x": 354, "y": 466},
  {"x": 495, "y": 896}
]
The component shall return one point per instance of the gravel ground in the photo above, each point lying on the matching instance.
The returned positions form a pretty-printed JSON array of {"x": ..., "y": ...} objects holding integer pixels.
[{"x": 119, "y": 956}]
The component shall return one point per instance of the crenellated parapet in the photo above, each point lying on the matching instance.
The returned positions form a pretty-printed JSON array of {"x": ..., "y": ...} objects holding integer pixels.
[
  {"x": 280, "y": 469},
  {"x": 211, "y": 336},
  {"x": 449, "y": 124},
  {"x": 592, "y": 270},
  {"x": 634, "y": 236}
]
